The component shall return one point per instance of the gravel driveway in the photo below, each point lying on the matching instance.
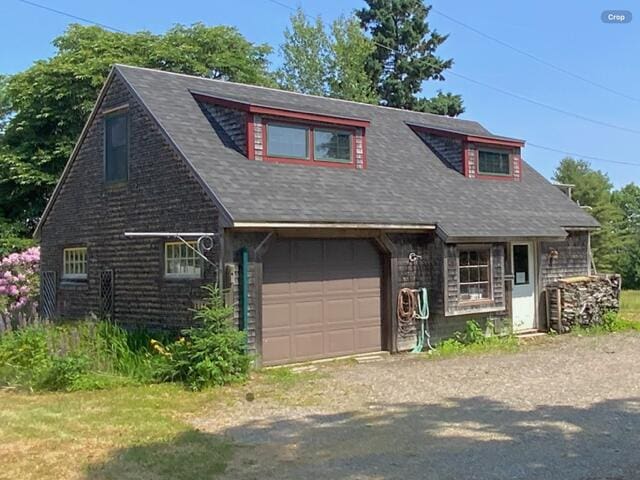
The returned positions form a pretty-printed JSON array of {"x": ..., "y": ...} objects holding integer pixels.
[{"x": 568, "y": 409}]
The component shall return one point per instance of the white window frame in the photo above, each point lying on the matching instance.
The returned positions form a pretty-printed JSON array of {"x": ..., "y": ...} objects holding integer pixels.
[
  {"x": 191, "y": 257},
  {"x": 74, "y": 263},
  {"x": 488, "y": 282}
]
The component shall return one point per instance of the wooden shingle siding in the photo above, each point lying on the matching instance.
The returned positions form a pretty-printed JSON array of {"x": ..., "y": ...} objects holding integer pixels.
[
  {"x": 572, "y": 259},
  {"x": 161, "y": 194},
  {"x": 229, "y": 124},
  {"x": 449, "y": 150}
]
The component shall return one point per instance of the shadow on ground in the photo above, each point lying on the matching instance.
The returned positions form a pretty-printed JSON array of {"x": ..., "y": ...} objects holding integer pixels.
[{"x": 472, "y": 438}]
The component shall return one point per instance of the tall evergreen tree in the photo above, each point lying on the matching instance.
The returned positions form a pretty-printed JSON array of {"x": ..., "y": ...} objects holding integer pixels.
[{"x": 405, "y": 55}]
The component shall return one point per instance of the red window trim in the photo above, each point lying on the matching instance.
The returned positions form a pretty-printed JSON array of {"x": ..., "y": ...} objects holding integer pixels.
[
  {"x": 488, "y": 176},
  {"x": 310, "y": 144}
]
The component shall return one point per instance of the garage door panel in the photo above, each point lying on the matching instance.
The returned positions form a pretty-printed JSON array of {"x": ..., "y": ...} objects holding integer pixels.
[
  {"x": 276, "y": 315},
  {"x": 341, "y": 310},
  {"x": 308, "y": 345},
  {"x": 276, "y": 349},
  {"x": 340, "y": 342},
  {"x": 368, "y": 308},
  {"x": 324, "y": 296},
  {"x": 367, "y": 338},
  {"x": 344, "y": 285},
  {"x": 308, "y": 313}
]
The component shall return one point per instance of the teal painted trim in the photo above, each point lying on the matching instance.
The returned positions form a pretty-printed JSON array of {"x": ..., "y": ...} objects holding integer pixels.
[{"x": 244, "y": 289}]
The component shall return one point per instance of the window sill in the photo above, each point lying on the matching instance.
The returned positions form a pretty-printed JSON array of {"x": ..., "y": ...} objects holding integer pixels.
[{"x": 474, "y": 309}]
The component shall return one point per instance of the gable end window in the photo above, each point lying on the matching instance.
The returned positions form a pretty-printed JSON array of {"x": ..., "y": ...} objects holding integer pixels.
[
  {"x": 74, "y": 263},
  {"x": 494, "y": 163},
  {"x": 181, "y": 260},
  {"x": 475, "y": 274},
  {"x": 314, "y": 144},
  {"x": 116, "y": 147}
]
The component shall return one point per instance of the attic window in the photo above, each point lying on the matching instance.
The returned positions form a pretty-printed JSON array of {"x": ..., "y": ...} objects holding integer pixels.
[
  {"x": 116, "y": 147},
  {"x": 332, "y": 145},
  {"x": 287, "y": 141},
  {"x": 492, "y": 162}
]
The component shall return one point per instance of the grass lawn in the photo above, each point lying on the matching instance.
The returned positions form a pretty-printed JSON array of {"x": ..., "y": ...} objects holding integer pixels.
[
  {"x": 124, "y": 433},
  {"x": 128, "y": 432},
  {"x": 630, "y": 304}
]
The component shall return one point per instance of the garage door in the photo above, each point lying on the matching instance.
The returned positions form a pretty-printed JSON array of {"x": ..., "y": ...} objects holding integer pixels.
[{"x": 321, "y": 298}]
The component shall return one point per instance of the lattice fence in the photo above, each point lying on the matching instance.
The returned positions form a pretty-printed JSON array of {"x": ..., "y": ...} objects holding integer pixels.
[{"x": 106, "y": 294}]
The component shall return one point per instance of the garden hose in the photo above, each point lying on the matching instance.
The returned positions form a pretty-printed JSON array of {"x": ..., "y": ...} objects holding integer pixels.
[{"x": 422, "y": 316}]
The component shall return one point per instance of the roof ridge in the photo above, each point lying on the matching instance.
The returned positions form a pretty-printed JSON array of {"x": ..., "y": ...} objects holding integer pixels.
[{"x": 248, "y": 85}]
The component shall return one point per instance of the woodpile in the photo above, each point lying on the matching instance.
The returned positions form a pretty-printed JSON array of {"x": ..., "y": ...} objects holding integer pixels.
[{"x": 582, "y": 301}]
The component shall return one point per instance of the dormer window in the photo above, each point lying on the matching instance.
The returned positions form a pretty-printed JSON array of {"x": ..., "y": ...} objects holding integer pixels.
[
  {"x": 494, "y": 162},
  {"x": 287, "y": 141},
  {"x": 332, "y": 145},
  {"x": 308, "y": 143}
]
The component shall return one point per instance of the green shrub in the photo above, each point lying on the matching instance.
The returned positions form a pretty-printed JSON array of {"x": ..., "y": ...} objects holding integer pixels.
[
  {"x": 472, "y": 334},
  {"x": 64, "y": 373},
  {"x": 24, "y": 357},
  {"x": 210, "y": 354}
]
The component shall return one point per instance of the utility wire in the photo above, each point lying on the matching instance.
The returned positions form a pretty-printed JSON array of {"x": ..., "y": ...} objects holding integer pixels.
[
  {"x": 580, "y": 155},
  {"x": 75, "y": 17},
  {"x": 520, "y": 97},
  {"x": 526, "y": 99},
  {"x": 535, "y": 57},
  {"x": 505, "y": 92},
  {"x": 546, "y": 105}
]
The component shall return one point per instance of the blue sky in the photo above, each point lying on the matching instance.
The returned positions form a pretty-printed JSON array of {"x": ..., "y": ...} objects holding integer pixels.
[{"x": 568, "y": 33}]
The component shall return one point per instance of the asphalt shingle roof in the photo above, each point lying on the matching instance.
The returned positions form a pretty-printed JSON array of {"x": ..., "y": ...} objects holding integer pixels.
[{"x": 404, "y": 182}]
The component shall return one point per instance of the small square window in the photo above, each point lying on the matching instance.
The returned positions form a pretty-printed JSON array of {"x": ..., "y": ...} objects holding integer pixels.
[
  {"x": 116, "y": 146},
  {"x": 182, "y": 260},
  {"x": 74, "y": 263}
]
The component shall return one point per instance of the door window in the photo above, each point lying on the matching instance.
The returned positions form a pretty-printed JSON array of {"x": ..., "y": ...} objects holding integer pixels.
[{"x": 521, "y": 264}]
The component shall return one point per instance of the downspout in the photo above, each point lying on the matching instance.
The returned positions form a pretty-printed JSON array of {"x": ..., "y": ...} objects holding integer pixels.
[{"x": 244, "y": 289}]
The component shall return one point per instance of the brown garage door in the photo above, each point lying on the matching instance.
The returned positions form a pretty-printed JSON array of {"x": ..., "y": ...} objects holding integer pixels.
[{"x": 320, "y": 298}]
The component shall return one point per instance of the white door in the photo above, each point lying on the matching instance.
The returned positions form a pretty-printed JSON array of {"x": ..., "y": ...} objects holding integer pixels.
[{"x": 524, "y": 299}]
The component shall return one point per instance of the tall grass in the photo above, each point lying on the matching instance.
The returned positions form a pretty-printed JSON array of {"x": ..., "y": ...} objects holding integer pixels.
[{"x": 76, "y": 356}]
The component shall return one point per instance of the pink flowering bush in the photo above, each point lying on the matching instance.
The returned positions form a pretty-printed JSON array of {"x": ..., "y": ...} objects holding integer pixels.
[{"x": 19, "y": 281}]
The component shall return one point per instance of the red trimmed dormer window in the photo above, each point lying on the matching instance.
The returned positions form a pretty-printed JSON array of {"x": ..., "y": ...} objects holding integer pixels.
[
  {"x": 475, "y": 156},
  {"x": 278, "y": 135}
]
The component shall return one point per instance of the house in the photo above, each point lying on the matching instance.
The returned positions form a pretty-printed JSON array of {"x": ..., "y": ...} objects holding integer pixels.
[{"x": 313, "y": 212}]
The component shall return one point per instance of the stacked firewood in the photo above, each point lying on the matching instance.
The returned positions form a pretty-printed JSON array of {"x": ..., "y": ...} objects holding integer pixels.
[{"x": 582, "y": 300}]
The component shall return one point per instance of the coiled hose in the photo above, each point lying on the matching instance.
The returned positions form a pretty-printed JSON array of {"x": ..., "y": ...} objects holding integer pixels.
[{"x": 412, "y": 307}]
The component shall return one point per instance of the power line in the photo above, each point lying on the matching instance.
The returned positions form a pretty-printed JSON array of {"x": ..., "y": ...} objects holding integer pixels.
[
  {"x": 545, "y": 105},
  {"x": 535, "y": 57},
  {"x": 580, "y": 155},
  {"x": 75, "y": 17},
  {"x": 526, "y": 99}
]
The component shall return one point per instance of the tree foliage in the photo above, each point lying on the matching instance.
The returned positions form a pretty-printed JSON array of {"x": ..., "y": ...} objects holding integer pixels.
[
  {"x": 326, "y": 60},
  {"x": 43, "y": 108},
  {"x": 405, "y": 55},
  {"x": 616, "y": 246}
]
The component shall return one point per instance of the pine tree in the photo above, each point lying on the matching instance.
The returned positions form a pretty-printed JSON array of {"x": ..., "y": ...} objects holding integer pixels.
[{"x": 405, "y": 57}]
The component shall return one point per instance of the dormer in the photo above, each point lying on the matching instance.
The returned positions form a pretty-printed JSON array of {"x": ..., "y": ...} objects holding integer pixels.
[
  {"x": 485, "y": 157},
  {"x": 277, "y": 135}
]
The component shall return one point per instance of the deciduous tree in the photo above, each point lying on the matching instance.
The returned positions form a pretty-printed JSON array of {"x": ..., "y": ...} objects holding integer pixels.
[{"x": 44, "y": 107}]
